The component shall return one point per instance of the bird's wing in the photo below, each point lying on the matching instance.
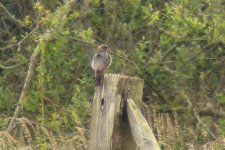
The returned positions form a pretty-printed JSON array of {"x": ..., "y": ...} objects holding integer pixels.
[{"x": 100, "y": 61}]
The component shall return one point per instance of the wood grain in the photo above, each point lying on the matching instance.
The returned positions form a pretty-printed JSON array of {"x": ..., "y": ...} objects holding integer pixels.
[{"x": 142, "y": 133}]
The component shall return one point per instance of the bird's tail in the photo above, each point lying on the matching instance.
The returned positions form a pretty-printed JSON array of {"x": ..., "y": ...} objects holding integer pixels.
[{"x": 99, "y": 77}]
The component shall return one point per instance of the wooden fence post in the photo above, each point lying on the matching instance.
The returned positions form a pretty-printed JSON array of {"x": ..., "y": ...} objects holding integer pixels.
[
  {"x": 141, "y": 132},
  {"x": 110, "y": 128}
]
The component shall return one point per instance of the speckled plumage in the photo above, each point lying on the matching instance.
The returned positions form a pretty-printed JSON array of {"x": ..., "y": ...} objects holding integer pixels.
[{"x": 101, "y": 61}]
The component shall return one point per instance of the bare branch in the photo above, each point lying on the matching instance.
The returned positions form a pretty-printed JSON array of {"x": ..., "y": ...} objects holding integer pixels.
[
  {"x": 201, "y": 122},
  {"x": 211, "y": 112},
  {"x": 171, "y": 49},
  {"x": 26, "y": 86},
  {"x": 11, "y": 16},
  {"x": 32, "y": 67},
  {"x": 10, "y": 67}
]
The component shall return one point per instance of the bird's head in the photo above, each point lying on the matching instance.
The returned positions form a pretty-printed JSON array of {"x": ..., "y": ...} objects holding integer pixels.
[{"x": 102, "y": 48}]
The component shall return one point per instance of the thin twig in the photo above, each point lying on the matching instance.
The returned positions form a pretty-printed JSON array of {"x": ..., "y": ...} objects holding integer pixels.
[
  {"x": 201, "y": 122},
  {"x": 26, "y": 86},
  {"x": 10, "y": 67},
  {"x": 11, "y": 16},
  {"x": 127, "y": 60},
  {"x": 175, "y": 72},
  {"x": 211, "y": 112},
  {"x": 196, "y": 114},
  {"x": 26, "y": 37},
  {"x": 18, "y": 43},
  {"x": 132, "y": 18},
  {"x": 171, "y": 49},
  {"x": 32, "y": 67}
]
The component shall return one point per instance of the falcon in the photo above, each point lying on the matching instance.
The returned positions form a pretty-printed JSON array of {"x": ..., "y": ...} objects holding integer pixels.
[{"x": 101, "y": 61}]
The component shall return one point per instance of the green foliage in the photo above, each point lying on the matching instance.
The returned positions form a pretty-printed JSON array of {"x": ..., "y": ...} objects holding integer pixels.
[
  {"x": 220, "y": 97},
  {"x": 81, "y": 100},
  {"x": 177, "y": 47},
  {"x": 5, "y": 98}
]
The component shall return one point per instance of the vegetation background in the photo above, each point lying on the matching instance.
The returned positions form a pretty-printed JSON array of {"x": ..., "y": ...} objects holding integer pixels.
[{"x": 176, "y": 46}]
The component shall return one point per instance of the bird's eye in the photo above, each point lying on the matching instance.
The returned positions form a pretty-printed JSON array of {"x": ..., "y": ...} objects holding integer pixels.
[{"x": 98, "y": 55}]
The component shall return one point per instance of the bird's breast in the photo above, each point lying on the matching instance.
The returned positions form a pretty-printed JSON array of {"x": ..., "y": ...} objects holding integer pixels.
[{"x": 100, "y": 61}]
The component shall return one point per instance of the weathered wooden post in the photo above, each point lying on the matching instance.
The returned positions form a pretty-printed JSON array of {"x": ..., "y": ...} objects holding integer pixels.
[
  {"x": 110, "y": 129},
  {"x": 141, "y": 132}
]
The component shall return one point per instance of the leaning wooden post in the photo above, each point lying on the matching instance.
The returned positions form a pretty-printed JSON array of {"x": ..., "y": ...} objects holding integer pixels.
[
  {"x": 141, "y": 132},
  {"x": 110, "y": 128}
]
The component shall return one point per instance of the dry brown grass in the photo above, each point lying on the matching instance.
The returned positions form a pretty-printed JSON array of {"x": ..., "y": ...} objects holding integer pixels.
[
  {"x": 171, "y": 135},
  {"x": 28, "y": 135}
]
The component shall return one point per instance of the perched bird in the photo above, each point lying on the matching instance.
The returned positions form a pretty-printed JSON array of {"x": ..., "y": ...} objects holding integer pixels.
[{"x": 101, "y": 61}]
